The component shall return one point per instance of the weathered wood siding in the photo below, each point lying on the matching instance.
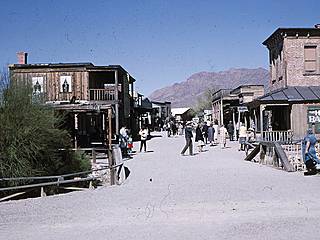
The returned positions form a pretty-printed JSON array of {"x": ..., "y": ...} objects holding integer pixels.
[{"x": 51, "y": 82}]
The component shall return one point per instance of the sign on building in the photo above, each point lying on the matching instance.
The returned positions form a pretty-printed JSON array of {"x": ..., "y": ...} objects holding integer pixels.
[
  {"x": 313, "y": 116},
  {"x": 242, "y": 109}
]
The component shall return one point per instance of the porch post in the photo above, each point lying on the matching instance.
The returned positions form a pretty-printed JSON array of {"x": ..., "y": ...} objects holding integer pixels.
[
  {"x": 75, "y": 130},
  {"x": 110, "y": 159},
  {"x": 262, "y": 107},
  {"x": 221, "y": 111},
  {"x": 255, "y": 120},
  {"x": 116, "y": 95},
  {"x": 234, "y": 124}
]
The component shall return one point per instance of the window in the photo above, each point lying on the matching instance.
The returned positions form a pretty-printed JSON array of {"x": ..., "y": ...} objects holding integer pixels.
[
  {"x": 65, "y": 84},
  {"x": 37, "y": 85},
  {"x": 310, "y": 58}
]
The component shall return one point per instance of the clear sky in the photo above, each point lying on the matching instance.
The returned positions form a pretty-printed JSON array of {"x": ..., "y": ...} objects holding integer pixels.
[{"x": 157, "y": 42}]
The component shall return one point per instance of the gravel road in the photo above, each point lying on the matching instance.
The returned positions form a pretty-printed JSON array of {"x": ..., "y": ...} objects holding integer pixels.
[{"x": 211, "y": 195}]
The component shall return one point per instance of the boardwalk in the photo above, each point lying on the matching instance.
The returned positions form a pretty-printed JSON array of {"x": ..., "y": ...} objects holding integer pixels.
[{"x": 212, "y": 195}]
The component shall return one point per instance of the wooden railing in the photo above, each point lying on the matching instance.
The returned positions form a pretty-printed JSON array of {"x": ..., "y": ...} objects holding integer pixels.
[
  {"x": 294, "y": 154},
  {"x": 102, "y": 94},
  {"x": 277, "y": 136}
]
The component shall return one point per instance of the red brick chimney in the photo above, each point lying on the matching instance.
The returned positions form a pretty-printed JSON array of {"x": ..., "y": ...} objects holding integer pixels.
[{"x": 22, "y": 57}]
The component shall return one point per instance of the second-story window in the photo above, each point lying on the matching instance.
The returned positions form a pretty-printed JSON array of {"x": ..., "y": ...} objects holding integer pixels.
[
  {"x": 65, "y": 84},
  {"x": 310, "y": 59}
]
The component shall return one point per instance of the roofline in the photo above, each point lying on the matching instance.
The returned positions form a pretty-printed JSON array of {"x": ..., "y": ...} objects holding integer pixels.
[
  {"x": 280, "y": 32},
  {"x": 247, "y": 85},
  {"x": 87, "y": 65}
]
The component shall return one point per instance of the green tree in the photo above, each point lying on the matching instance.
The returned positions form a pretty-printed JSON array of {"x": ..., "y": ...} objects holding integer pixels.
[
  {"x": 204, "y": 101},
  {"x": 31, "y": 142}
]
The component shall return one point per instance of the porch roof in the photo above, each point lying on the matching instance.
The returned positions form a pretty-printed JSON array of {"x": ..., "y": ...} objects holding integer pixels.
[{"x": 292, "y": 94}]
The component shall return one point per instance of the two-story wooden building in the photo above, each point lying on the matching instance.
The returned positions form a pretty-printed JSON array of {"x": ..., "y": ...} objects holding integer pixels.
[{"x": 84, "y": 91}]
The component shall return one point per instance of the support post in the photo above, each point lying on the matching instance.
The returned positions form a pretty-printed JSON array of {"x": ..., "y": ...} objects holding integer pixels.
[
  {"x": 221, "y": 112},
  {"x": 262, "y": 107},
  {"x": 76, "y": 130},
  {"x": 42, "y": 193},
  {"x": 116, "y": 94},
  {"x": 110, "y": 159},
  {"x": 234, "y": 124}
]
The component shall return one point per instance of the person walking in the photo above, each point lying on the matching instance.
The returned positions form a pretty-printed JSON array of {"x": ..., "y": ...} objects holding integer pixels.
[
  {"x": 215, "y": 133},
  {"x": 123, "y": 141},
  {"x": 230, "y": 129},
  {"x": 199, "y": 138},
  {"x": 210, "y": 134},
  {"x": 205, "y": 132},
  {"x": 309, "y": 151},
  {"x": 223, "y": 136},
  {"x": 242, "y": 137},
  {"x": 143, "y": 136},
  {"x": 188, "y": 136}
]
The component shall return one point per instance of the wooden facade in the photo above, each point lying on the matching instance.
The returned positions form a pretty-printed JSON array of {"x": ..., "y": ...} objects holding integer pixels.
[{"x": 84, "y": 84}]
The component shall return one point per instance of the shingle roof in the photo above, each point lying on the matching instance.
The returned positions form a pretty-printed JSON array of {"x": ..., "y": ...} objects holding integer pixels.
[{"x": 293, "y": 94}]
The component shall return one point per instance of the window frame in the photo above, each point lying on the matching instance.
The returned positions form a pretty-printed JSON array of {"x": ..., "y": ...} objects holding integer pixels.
[{"x": 316, "y": 60}]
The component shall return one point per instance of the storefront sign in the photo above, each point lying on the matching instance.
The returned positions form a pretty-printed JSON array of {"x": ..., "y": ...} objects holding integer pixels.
[
  {"x": 313, "y": 116},
  {"x": 242, "y": 109}
]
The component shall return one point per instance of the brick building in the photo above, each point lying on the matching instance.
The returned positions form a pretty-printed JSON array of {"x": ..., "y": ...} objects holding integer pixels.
[{"x": 294, "y": 97}]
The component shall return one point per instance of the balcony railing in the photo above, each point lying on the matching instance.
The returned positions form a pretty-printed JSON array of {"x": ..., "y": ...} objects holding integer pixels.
[
  {"x": 277, "y": 136},
  {"x": 102, "y": 95}
]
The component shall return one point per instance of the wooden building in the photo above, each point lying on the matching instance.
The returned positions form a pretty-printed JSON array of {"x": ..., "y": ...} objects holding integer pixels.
[
  {"x": 231, "y": 105},
  {"x": 85, "y": 91},
  {"x": 161, "y": 114}
]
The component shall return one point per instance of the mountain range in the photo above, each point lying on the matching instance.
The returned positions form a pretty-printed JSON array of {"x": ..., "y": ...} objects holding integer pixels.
[{"x": 186, "y": 93}]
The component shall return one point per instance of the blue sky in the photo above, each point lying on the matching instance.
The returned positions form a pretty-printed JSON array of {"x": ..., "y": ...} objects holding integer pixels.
[{"x": 158, "y": 42}]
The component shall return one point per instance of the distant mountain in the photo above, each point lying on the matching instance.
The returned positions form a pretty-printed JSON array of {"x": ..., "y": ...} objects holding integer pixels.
[{"x": 185, "y": 94}]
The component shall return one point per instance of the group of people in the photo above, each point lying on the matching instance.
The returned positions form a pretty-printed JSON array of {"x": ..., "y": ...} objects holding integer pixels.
[
  {"x": 204, "y": 133},
  {"x": 208, "y": 133},
  {"x": 126, "y": 143},
  {"x": 173, "y": 128}
]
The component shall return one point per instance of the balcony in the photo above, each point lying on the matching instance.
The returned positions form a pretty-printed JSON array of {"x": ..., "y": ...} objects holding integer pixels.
[{"x": 102, "y": 94}]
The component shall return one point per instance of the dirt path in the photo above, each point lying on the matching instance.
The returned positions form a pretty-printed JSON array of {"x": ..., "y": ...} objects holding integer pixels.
[{"x": 212, "y": 195}]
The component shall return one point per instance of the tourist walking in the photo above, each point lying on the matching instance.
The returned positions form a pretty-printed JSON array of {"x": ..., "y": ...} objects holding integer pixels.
[
  {"x": 242, "y": 137},
  {"x": 205, "y": 132},
  {"x": 210, "y": 134},
  {"x": 230, "y": 129},
  {"x": 188, "y": 136},
  {"x": 123, "y": 141},
  {"x": 309, "y": 151},
  {"x": 215, "y": 133},
  {"x": 199, "y": 138},
  {"x": 223, "y": 136},
  {"x": 143, "y": 136}
]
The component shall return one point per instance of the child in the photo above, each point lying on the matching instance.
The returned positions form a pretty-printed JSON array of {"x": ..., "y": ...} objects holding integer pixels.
[{"x": 130, "y": 145}]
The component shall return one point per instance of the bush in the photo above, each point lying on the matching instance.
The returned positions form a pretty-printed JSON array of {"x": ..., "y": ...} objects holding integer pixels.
[{"x": 31, "y": 141}]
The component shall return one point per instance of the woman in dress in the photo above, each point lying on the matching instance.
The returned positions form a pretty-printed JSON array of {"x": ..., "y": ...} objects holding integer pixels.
[
  {"x": 223, "y": 136},
  {"x": 308, "y": 147},
  {"x": 199, "y": 138},
  {"x": 210, "y": 134}
]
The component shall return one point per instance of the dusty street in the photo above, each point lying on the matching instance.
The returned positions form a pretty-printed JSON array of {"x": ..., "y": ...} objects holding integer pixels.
[{"x": 211, "y": 195}]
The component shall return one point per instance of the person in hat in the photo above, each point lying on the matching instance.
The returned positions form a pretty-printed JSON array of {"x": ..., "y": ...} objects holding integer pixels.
[{"x": 188, "y": 136}]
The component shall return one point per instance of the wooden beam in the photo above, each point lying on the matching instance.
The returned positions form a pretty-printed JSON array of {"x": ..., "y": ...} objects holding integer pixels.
[
  {"x": 11, "y": 196},
  {"x": 116, "y": 95},
  {"x": 110, "y": 159}
]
